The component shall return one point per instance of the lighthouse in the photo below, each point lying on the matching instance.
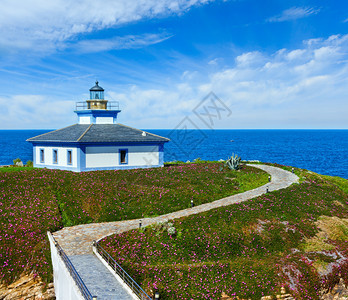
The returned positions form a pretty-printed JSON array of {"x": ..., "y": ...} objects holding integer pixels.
[
  {"x": 96, "y": 109},
  {"x": 97, "y": 141}
]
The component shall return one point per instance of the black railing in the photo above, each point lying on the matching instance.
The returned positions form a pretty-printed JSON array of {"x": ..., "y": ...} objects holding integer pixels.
[
  {"x": 137, "y": 290},
  {"x": 111, "y": 105},
  {"x": 79, "y": 282}
]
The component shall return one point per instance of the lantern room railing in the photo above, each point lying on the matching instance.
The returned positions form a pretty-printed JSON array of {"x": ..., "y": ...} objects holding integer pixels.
[{"x": 110, "y": 105}]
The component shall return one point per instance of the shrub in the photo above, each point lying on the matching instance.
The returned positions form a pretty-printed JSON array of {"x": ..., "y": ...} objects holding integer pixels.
[
  {"x": 17, "y": 160},
  {"x": 29, "y": 164}
]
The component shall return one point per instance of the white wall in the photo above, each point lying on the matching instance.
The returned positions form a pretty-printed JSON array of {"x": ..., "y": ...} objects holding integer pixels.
[
  {"x": 108, "y": 156},
  {"x": 101, "y": 157},
  {"x": 104, "y": 120},
  {"x": 62, "y": 156},
  {"x": 84, "y": 120},
  {"x": 65, "y": 287},
  {"x": 143, "y": 155}
]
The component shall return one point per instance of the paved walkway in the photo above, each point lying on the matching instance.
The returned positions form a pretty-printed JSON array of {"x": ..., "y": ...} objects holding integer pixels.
[
  {"x": 92, "y": 271},
  {"x": 77, "y": 240}
]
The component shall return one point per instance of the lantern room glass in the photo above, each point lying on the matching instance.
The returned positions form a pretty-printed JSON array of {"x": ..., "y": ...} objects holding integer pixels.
[{"x": 98, "y": 95}]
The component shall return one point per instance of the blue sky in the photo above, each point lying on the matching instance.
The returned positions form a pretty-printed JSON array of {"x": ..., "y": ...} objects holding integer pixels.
[{"x": 274, "y": 64}]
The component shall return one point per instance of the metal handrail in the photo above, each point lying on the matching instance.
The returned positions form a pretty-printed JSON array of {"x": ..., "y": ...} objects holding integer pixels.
[
  {"x": 79, "y": 282},
  {"x": 111, "y": 105},
  {"x": 138, "y": 291}
]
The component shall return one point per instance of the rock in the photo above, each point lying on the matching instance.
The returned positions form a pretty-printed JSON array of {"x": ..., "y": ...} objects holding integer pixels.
[
  {"x": 27, "y": 287},
  {"x": 224, "y": 296},
  {"x": 339, "y": 292},
  {"x": 285, "y": 297}
]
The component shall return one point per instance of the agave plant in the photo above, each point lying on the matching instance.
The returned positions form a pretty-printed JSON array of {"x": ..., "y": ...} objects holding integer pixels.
[{"x": 233, "y": 163}]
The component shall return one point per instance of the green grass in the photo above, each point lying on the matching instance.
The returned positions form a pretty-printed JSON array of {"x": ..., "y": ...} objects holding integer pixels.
[
  {"x": 33, "y": 201},
  {"x": 248, "y": 250},
  {"x": 120, "y": 195},
  {"x": 338, "y": 181},
  {"x": 15, "y": 169}
]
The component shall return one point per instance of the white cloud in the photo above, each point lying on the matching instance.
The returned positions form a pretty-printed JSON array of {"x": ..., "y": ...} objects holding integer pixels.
[
  {"x": 294, "y": 13},
  {"x": 215, "y": 62},
  {"x": 249, "y": 59},
  {"x": 120, "y": 42},
  {"x": 44, "y": 25},
  {"x": 298, "y": 88},
  {"x": 296, "y": 54},
  {"x": 35, "y": 111}
]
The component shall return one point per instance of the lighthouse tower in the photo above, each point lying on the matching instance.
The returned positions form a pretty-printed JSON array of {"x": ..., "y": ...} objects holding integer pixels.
[
  {"x": 97, "y": 110},
  {"x": 97, "y": 141}
]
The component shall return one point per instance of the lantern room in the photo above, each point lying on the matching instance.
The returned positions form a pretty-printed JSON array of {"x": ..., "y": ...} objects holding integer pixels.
[
  {"x": 96, "y": 92},
  {"x": 96, "y": 95}
]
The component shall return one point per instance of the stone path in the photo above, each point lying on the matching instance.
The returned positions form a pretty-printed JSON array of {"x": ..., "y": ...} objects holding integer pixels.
[
  {"x": 92, "y": 271},
  {"x": 76, "y": 241}
]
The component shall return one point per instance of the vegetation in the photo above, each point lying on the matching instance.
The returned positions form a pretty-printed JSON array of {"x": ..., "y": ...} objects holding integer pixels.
[
  {"x": 295, "y": 238},
  {"x": 16, "y": 161},
  {"x": 338, "y": 181},
  {"x": 233, "y": 163},
  {"x": 33, "y": 201},
  {"x": 11, "y": 169},
  {"x": 29, "y": 164}
]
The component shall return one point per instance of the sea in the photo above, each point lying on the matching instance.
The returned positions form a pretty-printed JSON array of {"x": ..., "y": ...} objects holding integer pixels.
[{"x": 321, "y": 151}]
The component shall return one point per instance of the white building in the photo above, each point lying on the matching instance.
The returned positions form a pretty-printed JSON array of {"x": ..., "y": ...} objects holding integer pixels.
[{"x": 97, "y": 142}]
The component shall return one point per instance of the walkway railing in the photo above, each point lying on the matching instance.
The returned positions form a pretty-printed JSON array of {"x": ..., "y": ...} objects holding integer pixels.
[
  {"x": 82, "y": 287},
  {"x": 137, "y": 290}
]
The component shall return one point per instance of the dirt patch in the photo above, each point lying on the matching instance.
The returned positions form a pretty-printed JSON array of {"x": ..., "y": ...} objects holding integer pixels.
[{"x": 331, "y": 228}]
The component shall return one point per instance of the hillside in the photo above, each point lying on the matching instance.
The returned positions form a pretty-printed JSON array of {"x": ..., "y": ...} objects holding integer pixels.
[
  {"x": 252, "y": 242},
  {"x": 294, "y": 238},
  {"x": 33, "y": 201}
]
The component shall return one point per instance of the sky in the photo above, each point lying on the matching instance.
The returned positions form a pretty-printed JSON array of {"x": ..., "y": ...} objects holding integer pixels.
[{"x": 233, "y": 64}]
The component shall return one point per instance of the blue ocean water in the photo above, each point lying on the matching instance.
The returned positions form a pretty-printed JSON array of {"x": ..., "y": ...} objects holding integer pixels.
[{"x": 321, "y": 151}]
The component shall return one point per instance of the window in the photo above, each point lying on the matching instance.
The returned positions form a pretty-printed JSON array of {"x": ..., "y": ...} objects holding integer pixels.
[
  {"x": 42, "y": 155},
  {"x": 123, "y": 156},
  {"x": 55, "y": 156},
  {"x": 69, "y": 157}
]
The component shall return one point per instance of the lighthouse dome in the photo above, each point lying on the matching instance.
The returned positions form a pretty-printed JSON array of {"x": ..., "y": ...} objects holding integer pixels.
[
  {"x": 96, "y": 92},
  {"x": 96, "y": 87}
]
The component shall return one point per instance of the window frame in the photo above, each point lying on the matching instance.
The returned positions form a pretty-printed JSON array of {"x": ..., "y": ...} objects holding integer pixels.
[
  {"x": 125, "y": 162},
  {"x": 55, "y": 156},
  {"x": 42, "y": 155},
  {"x": 69, "y": 155}
]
